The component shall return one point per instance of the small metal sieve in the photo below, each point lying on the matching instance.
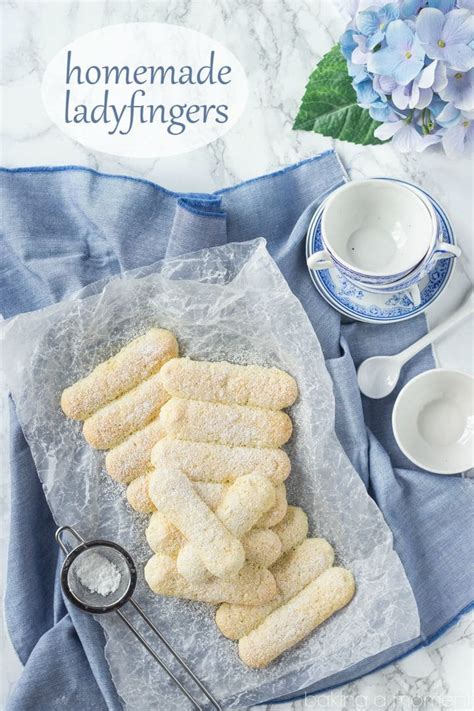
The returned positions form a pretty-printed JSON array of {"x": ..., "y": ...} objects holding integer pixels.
[{"x": 96, "y": 603}]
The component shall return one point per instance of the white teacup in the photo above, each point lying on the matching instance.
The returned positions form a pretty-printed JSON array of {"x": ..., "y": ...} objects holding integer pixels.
[{"x": 375, "y": 231}]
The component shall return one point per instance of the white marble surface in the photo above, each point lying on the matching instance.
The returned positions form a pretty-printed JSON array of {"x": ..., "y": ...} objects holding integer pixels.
[{"x": 278, "y": 43}]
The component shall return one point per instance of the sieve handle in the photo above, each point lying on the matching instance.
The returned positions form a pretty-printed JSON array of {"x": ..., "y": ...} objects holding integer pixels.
[
  {"x": 159, "y": 660},
  {"x": 175, "y": 654},
  {"x": 72, "y": 531}
]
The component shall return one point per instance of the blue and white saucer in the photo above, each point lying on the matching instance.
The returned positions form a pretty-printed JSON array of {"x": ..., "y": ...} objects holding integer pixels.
[{"x": 360, "y": 305}]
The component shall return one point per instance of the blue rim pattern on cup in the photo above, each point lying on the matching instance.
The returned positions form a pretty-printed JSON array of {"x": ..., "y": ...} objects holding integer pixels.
[{"x": 355, "y": 302}]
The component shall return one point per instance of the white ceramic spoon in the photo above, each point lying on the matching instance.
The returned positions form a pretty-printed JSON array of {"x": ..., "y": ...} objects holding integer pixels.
[{"x": 378, "y": 376}]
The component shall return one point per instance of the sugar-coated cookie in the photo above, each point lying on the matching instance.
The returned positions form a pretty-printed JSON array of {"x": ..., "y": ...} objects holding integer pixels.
[
  {"x": 225, "y": 424},
  {"x": 114, "y": 422},
  {"x": 251, "y": 586},
  {"x": 278, "y": 511},
  {"x": 204, "y": 461},
  {"x": 137, "y": 361},
  {"x": 230, "y": 384},
  {"x": 174, "y": 495},
  {"x": 292, "y": 573},
  {"x": 239, "y": 509},
  {"x": 293, "y": 529},
  {"x": 297, "y": 618},
  {"x": 132, "y": 458}
]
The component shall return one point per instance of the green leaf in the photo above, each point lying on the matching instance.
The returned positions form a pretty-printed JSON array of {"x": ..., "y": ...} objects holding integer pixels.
[{"x": 329, "y": 105}]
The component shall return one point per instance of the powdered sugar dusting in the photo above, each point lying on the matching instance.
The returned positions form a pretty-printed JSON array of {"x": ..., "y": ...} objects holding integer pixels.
[{"x": 97, "y": 573}]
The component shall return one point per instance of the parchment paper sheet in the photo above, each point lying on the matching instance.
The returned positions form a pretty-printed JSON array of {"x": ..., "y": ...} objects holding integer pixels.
[{"x": 229, "y": 303}]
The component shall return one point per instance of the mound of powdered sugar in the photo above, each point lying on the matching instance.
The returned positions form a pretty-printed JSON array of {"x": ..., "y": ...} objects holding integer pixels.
[{"x": 97, "y": 573}]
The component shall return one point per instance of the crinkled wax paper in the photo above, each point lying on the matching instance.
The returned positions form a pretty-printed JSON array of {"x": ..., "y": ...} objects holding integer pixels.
[{"x": 230, "y": 303}]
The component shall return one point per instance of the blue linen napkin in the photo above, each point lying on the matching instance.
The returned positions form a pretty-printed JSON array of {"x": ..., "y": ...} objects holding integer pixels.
[{"x": 66, "y": 227}]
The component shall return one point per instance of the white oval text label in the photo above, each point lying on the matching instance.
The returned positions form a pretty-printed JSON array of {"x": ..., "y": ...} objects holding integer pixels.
[{"x": 144, "y": 89}]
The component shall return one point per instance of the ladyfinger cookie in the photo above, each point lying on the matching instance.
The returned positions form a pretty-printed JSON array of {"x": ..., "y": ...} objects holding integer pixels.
[
  {"x": 114, "y": 422},
  {"x": 252, "y": 586},
  {"x": 230, "y": 384},
  {"x": 293, "y": 529},
  {"x": 132, "y": 458},
  {"x": 292, "y": 572},
  {"x": 202, "y": 461},
  {"x": 240, "y": 508},
  {"x": 140, "y": 358},
  {"x": 225, "y": 424},
  {"x": 162, "y": 536},
  {"x": 244, "y": 503},
  {"x": 261, "y": 545},
  {"x": 138, "y": 494},
  {"x": 295, "y": 620},
  {"x": 173, "y": 494},
  {"x": 278, "y": 511}
]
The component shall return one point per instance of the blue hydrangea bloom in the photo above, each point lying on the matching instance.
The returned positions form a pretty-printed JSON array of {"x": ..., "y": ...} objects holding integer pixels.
[
  {"x": 413, "y": 7},
  {"x": 447, "y": 37},
  {"x": 459, "y": 89},
  {"x": 373, "y": 23},
  {"x": 412, "y": 68},
  {"x": 402, "y": 58},
  {"x": 460, "y": 137},
  {"x": 347, "y": 44}
]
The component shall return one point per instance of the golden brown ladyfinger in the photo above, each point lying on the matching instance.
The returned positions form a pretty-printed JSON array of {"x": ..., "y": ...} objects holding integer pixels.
[
  {"x": 293, "y": 529},
  {"x": 296, "y": 619},
  {"x": 230, "y": 384},
  {"x": 137, "y": 361},
  {"x": 278, "y": 511},
  {"x": 204, "y": 461},
  {"x": 225, "y": 424},
  {"x": 131, "y": 412},
  {"x": 251, "y": 586},
  {"x": 292, "y": 573},
  {"x": 132, "y": 458}
]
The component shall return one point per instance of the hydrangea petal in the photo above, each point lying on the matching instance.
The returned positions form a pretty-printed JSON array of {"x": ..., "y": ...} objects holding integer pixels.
[
  {"x": 384, "y": 61},
  {"x": 429, "y": 26},
  {"x": 427, "y": 75},
  {"x": 401, "y": 97},
  {"x": 448, "y": 116},
  {"x": 458, "y": 27},
  {"x": 407, "y": 139},
  {"x": 459, "y": 56},
  {"x": 441, "y": 77},
  {"x": 422, "y": 99},
  {"x": 390, "y": 12},
  {"x": 399, "y": 35},
  {"x": 443, "y": 5},
  {"x": 367, "y": 22},
  {"x": 388, "y": 130},
  {"x": 404, "y": 72},
  {"x": 387, "y": 84},
  {"x": 347, "y": 43},
  {"x": 460, "y": 90},
  {"x": 453, "y": 141},
  {"x": 466, "y": 5},
  {"x": 410, "y": 7}
]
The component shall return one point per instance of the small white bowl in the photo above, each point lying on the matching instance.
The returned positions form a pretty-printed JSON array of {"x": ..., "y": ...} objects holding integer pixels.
[{"x": 433, "y": 421}]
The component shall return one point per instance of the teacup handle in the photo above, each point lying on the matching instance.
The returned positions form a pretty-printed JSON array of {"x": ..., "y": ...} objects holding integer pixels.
[
  {"x": 320, "y": 260},
  {"x": 414, "y": 294},
  {"x": 444, "y": 250}
]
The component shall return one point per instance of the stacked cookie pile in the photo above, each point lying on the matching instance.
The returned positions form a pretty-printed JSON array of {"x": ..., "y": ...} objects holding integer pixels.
[{"x": 199, "y": 446}]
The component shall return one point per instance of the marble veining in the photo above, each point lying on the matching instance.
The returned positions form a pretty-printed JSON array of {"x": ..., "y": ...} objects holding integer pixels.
[{"x": 278, "y": 42}]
